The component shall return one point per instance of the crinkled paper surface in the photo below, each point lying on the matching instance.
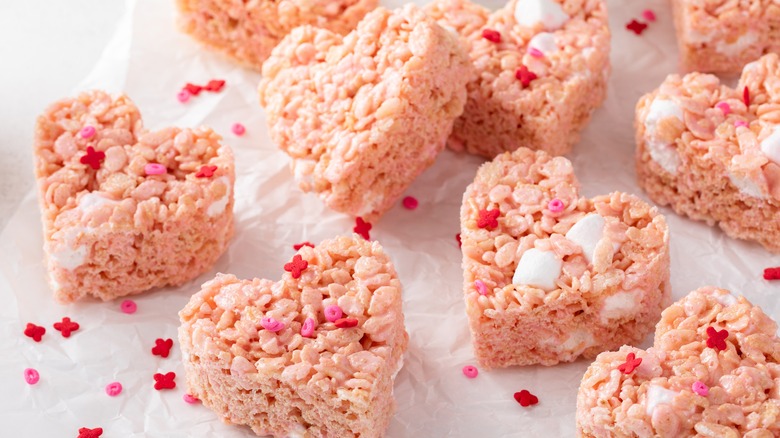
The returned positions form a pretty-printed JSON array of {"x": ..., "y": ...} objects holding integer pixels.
[{"x": 150, "y": 61}]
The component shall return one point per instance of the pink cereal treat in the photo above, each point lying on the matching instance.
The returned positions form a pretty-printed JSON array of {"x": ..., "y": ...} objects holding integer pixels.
[
  {"x": 336, "y": 381},
  {"x": 706, "y": 165},
  {"x": 721, "y": 36},
  {"x": 362, "y": 115},
  {"x": 589, "y": 279},
  {"x": 112, "y": 230},
  {"x": 683, "y": 387},
  {"x": 246, "y": 32},
  {"x": 539, "y": 85}
]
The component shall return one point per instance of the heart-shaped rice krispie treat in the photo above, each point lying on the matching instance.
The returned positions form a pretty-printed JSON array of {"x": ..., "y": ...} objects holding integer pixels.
[
  {"x": 542, "y": 69},
  {"x": 721, "y": 36},
  {"x": 124, "y": 209},
  {"x": 712, "y": 372},
  {"x": 713, "y": 153},
  {"x": 313, "y": 355},
  {"x": 247, "y": 31},
  {"x": 550, "y": 276},
  {"x": 363, "y": 115}
]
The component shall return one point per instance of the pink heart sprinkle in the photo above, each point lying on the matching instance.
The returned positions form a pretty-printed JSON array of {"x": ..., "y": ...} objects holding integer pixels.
[
  {"x": 700, "y": 388},
  {"x": 190, "y": 399},
  {"x": 307, "y": 329},
  {"x": 333, "y": 312},
  {"x": 741, "y": 124},
  {"x": 410, "y": 203},
  {"x": 238, "y": 129},
  {"x": 536, "y": 53},
  {"x": 271, "y": 324},
  {"x": 31, "y": 376},
  {"x": 724, "y": 107},
  {"x": 183, "y": 96},
  {"x": 155, "y": 169},
  {"x": 87, "y": 132},
  {"x": 128, "y": 306},
  {"x": 648, "y": 15},
  {"x": 555, "y": 206},
  {"x": 470, "y": 371},
  {"x": 481, "y": 287},
  {"x": 113, "y": 389}
]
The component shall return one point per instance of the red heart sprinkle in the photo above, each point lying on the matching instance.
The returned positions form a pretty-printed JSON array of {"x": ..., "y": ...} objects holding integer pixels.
[
  {"x": 193, "y": 89},
  {"x": 206, "y": 171},
  {"x": 93, "y": 158},
  {"x": 491, "y": 35},
  {"x": 164, "y": 381},
  {"x": 36, "y": 332},
  {"x": 86, "y": 432},
  {"x": 488, "y": 219},
  {"x": 296, "y": 266},
  {"x": 717, "y": 339},
  {"x": 162, "y": 347},
  {"x": 66, "y": 327},
  {"x": 525, "y": 398},
  {"x": 525, "y": 76},
  {"x": 636, "y": 27},
  {"x": 746, "y": 96},
  {"x": 362, "y": 227},
  {"x": 298, "y": 246},
  {"x": 457, "y": 237},
  {"x": 346, "y": 322},
  {"x": 632, "y": 362},
  {"x": 214, "y": 85},
  {"x": 772, "y": 273}
]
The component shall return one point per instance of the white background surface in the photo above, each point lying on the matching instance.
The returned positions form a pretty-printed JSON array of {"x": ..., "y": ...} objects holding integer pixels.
[{"x": 50, "y": 46}]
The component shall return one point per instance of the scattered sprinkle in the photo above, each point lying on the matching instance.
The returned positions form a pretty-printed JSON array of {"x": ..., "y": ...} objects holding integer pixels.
[
  {"x": 536, "y": 53},
  {"x": 271, "y": 324},
  {"x": 769, "y": 274},
  {"x": 333, "y": 312},
  {"x": 346, "y": 323},
  {"x": 113, "y": 389},
  {"x": 307, "y": 329},
  {"x": 87, "y": 131},
  {"x": 35, "y": 332},
  {"x": 724, "y": 107},
  {"x": 717, "y": 339},
  {"x": 93, "y": 158},
  {"x": 238, "y": 129},
  {"x": 648, "y": 15},
  {"x": 86, "y": 432},
  {"x": 488, "y": 219},
  {"x": 525, "y": 398},
  {"x": 192, "y": 89},
  {"x": 362, "y": 227},
  {"x": 215, "y": 85},
  {"x": 31, "y": 376},
  {"x": 555, "y": 205},
  {"x": 746, "y": 96},
  {"x": 183, "y": 96},
  {"x": 457, "y": 237},
  {"x": 491, "y": 35},
  {"x": 164, "y": 381},
  {"x": 525, "y": 76},
  {"x": 155, "y": 169},
  {"x": 190, "y": 399},
  {"x": 410, "y": 202},
  {"x": 700, "y": 388},
  {"x": 632, "y": 362},
  {"x": 636, "y": 27},
  {"x": 741, "y": 124},
  {"x": 162, "y": 347},
  {"x": 296, "y": 266},
  {"x": 298, "y": 246},
  {"x": 206, "y": 171},
  {"x": 470, "y": 371},
  {"x": 66, "y": 327},
  {"x": 128, "y": 306},
  {"x": 481, "y": 287}
]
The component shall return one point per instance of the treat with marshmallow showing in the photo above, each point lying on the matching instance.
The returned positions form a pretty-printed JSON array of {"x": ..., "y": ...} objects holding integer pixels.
[
  {"x": 124, "y": 209},
  {"x": 713, "y": 153},
  {"x": 721, "y": 36},
  {"x": 550, "y": 276},
  {"x": 541, "y": 70},
  {"x": 712, "y": 371}
]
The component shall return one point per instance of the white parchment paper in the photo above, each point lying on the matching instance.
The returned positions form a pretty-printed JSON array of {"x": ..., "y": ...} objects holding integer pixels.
[{"x": 150, "y": 61}]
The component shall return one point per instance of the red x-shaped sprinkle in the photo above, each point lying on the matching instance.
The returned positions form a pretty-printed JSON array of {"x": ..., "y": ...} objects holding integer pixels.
[
  {"x": 346, "y": 322},
  {"x": 164, "y": 381},
  {"x": 525, "y": 398},
  {"x": 488, "y": 219},
  {"x": 717, "y": 339},
  {"x": 193, "y": 89},
  {"x": 206, "y": 171},
  {"x": 93, "y": 158},
  {"x": 362, "y": 227},
  {"x": 162, "y": 347},
  {"x": 36, "y": 332},
  {"x": 214, "y": 85},
  {"x": 772, "y": 273},
  {"x": 86, "y": 432},
  {"x": 66, "y": 327},
  {"x": 746, "y": 96},
  {"x": 525, "y": 76},
  {"x": 491, "y": 35},
  {"x": 636, "y": 27},
  {"x": 632, "y": 362},
  {"x": 457, "y": 237},
  {"x": 296, "y": 266},
  {"x": 298, "y": 246}
]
